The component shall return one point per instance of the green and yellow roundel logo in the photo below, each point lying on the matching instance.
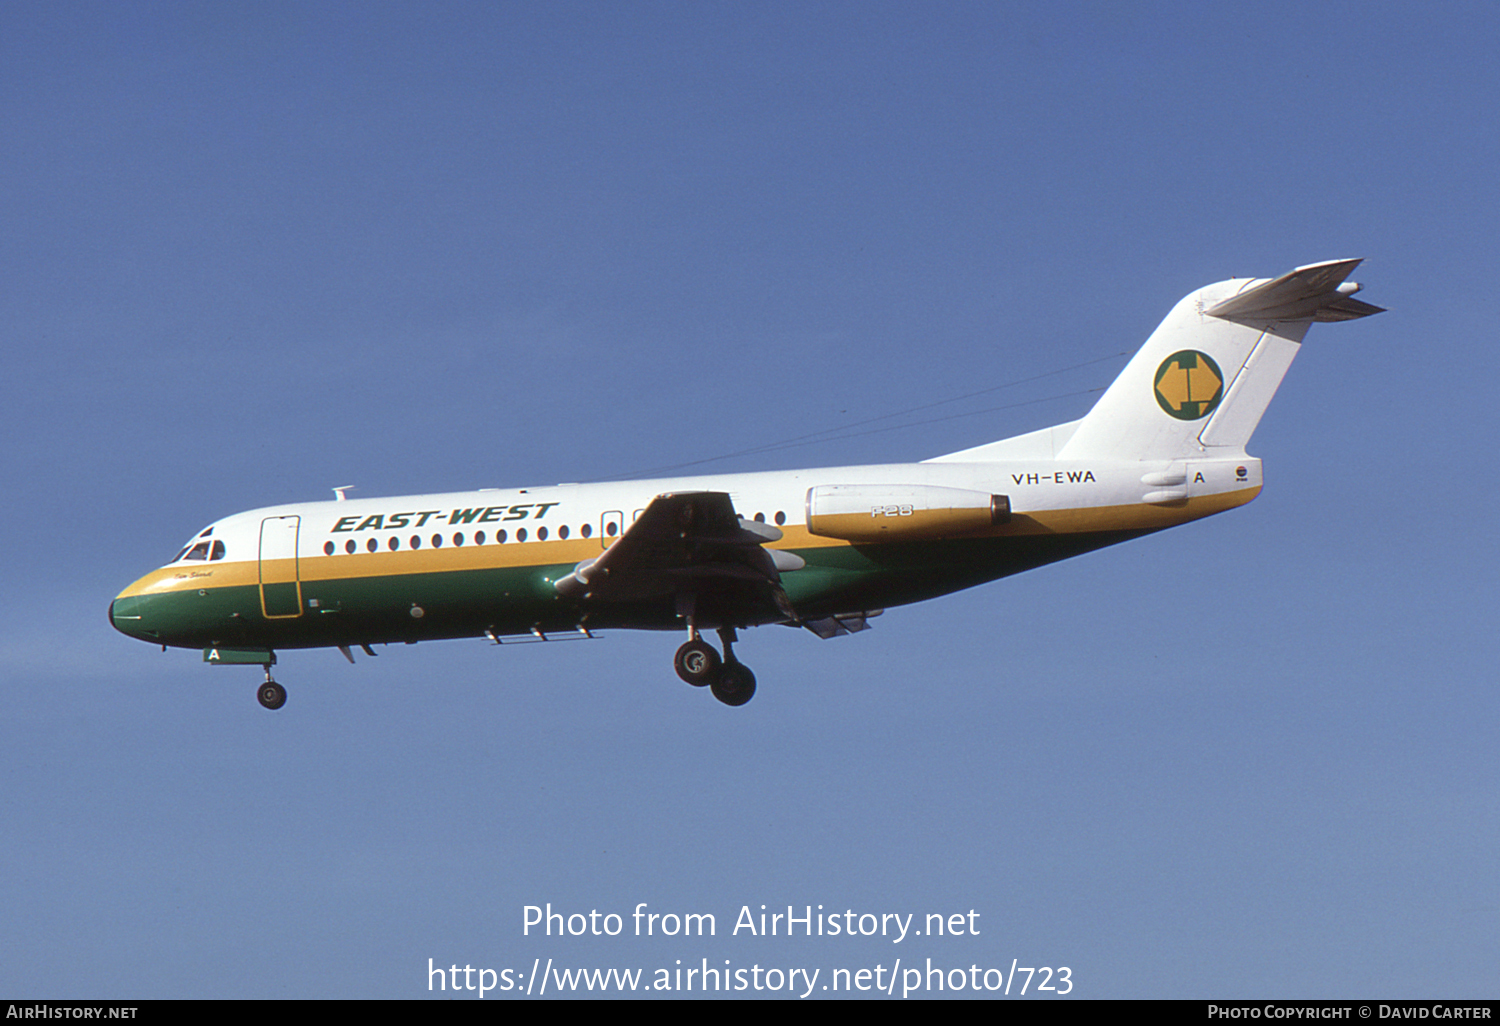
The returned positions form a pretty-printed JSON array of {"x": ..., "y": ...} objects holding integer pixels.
[{"x": 1189, "y": 385}]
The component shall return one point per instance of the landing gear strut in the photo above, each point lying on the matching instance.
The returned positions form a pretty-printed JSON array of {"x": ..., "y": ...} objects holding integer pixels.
[
  {"x": 271, "y": 694},
  {"x": 729, "y": 679}
]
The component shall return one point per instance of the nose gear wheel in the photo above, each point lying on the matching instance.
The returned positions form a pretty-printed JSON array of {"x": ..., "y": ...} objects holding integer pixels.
[{"x": 272, "y": 695}]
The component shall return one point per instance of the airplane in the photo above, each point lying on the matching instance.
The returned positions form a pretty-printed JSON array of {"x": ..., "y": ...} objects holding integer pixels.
[{"x": 826, "y": 549}]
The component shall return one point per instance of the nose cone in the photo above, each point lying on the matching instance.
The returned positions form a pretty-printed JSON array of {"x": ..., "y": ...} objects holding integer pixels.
[{"x": 127, "y": 614}]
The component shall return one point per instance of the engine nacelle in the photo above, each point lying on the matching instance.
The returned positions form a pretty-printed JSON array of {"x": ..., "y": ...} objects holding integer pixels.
[{"x": 878, "y": 513}]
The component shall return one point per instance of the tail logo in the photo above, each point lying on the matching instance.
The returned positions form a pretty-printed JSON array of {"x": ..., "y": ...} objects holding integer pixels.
[{"x": 1189, "y": 385}]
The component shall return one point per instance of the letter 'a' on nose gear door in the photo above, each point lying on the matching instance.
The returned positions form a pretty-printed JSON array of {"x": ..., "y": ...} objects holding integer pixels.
[{"x": 280, "y": 587}]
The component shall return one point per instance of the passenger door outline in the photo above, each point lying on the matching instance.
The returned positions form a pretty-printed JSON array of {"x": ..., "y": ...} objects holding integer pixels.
[{"x": 280, "y": 591}]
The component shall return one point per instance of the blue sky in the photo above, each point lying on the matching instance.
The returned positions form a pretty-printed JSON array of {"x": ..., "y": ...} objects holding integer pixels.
[{"x": 253, "y": 253}]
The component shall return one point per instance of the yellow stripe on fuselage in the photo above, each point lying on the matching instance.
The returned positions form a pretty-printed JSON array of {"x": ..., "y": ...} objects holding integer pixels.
[{"x": 511, "y": 555}]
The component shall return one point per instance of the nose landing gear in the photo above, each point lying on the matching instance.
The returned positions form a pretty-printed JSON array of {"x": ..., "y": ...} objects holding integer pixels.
[
  {"x": 729, "y": 679},
  {"x": 271, "y": 694}
]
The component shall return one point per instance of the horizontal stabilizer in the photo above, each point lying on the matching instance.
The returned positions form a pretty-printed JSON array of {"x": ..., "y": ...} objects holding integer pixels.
[
  {"x": 1347, "y": 310},
  {"x": 1313, "y": 292}
]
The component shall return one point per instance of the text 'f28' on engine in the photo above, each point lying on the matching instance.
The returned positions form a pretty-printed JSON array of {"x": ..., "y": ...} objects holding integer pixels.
[{"x": 874, "y": 513}]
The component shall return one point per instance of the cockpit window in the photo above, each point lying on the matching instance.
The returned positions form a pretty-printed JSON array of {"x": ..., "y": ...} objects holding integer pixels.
[
  {"x": 206, "y": 550},
  {"x": 201, "y": 547}
]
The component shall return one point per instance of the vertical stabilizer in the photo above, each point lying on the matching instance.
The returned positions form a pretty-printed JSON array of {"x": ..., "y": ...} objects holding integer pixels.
[{"x": 1205, "y": 376}]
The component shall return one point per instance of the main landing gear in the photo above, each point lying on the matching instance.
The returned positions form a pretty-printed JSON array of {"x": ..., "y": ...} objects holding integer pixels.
[
  {"x": 729, "y": 679},
  {"x": 271, "y": 694}
]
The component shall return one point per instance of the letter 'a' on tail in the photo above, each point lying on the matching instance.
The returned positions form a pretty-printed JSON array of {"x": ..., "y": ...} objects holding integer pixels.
[{"x": 1205, "y": 376}]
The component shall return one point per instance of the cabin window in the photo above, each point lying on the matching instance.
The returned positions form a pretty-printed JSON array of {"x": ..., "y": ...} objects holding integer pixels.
[
  {"x": 760, "y": 518},
  {"x": 562, "y": 532},
  {"x": 416, "y": 542},
  {"x": 541, "y": 534},
  {"x": 521, "y": 534},
  {"x": 586, "y": 530},
  {"x": 395, "y": 543},
  {"x": 328, "y": 548},
  {"x": 478, "y": 537},
  {"x": 458, "y": 538},
  {"x": 437, "y": 541},
  {"x": 373, "y": 545},
  {"x": 349, "y": 546},
  {"x": 780, "y": 518},
  {"x": 500, "y": 537}
]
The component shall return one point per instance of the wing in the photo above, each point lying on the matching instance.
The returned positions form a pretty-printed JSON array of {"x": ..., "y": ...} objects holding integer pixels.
[{"x": 691, "y": 545}]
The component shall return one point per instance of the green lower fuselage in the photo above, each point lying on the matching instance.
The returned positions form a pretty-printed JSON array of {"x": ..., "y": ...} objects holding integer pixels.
[{"x": 510, "y": 600}]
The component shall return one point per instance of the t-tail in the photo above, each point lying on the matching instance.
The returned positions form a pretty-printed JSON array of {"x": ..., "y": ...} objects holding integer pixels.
[{"x": 1200, "y": 384}]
